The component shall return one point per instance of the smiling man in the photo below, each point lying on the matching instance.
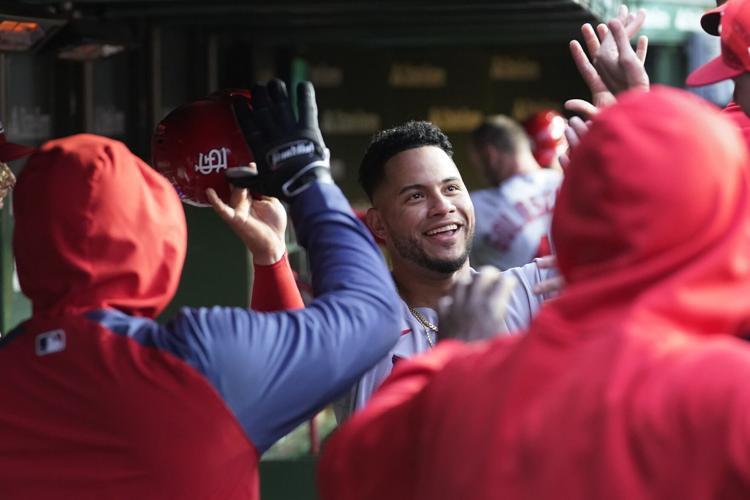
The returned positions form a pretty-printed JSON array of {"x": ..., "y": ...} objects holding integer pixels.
[{"x": 422, "y": 212}]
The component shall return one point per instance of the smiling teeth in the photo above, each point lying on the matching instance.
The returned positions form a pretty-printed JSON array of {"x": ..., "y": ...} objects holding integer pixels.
[{"x": 449, "y": 227}]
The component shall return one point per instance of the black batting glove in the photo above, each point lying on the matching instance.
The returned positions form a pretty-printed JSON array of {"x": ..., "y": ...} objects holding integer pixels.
[{"x": 290, "y": 153}]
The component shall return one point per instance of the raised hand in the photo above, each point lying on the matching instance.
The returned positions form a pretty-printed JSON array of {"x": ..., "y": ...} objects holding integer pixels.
[
  {"x": 290, "y": 152},
  {"x": 475, "y": 308},
  {"x": 620, "y": 67},
  {"x": 616, "y": 66},
  {"x": 260, "y": 222},
  {"x": 551, "y": 287},
  {"x": 574, "y": 132}
]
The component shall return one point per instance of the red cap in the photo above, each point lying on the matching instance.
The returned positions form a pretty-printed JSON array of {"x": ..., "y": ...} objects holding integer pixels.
[
  {"x": 735, "y": 42},
  {"x": 197, "y": 142},
  {"x": 711, "y": 20},
  {"x": 10, "y": 151},
  {"x": 546, "y": 129}
]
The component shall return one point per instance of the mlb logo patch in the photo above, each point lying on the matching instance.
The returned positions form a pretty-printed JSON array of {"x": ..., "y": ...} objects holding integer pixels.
[{"x": 50, "y": 342}]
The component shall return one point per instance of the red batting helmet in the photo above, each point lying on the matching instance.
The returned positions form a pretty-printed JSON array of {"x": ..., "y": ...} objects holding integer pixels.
[
  {"x": 195, "y": 144},
  {"x": 546, "y": 129}
]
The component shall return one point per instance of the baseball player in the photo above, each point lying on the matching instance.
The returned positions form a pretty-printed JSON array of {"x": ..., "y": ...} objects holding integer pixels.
[
  {"x": 422, "y": 212},
  {"x": 734, "y": 61},
  {"x": 513, "y": 215},
  {"x": 710, "y": 22},
  {"x": 100, "y": 400}
]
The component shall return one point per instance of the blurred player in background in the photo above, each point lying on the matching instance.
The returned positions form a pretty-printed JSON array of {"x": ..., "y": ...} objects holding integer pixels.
[{"x": 513, "y": 215}]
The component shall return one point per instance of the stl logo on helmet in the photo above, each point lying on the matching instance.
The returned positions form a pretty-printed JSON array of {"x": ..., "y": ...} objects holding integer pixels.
[{"x": 214, "y": 160}]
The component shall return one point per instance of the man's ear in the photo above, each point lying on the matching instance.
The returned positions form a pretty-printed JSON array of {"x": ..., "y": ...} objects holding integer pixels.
[{"x": 375, "y": 222}]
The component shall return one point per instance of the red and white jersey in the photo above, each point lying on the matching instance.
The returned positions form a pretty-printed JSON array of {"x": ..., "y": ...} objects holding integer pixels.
[{"x": 513, "y": 219}]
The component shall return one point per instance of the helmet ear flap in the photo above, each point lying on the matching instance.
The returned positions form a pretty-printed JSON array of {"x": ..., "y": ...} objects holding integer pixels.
[{"x": 195, "y": 145}]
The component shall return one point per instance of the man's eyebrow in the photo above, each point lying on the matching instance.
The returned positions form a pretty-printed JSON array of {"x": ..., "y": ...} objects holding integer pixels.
[
  {"x": 421, "y": 186},
  {"x": 410, "y": 187}
]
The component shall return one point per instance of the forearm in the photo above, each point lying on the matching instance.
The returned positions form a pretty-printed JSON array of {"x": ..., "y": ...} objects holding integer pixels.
[
  {"x": 316, "y": 353},
  {"x": 274, "y": 287}
]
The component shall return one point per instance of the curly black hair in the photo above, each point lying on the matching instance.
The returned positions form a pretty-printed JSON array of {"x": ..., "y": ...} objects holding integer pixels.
[{"x": 388, "y": 143}]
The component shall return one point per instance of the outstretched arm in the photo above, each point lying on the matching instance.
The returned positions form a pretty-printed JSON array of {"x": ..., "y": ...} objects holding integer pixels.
[{"x": 274, "y": 370}]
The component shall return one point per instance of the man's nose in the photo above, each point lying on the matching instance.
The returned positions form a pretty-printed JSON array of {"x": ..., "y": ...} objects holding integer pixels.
[{"x": 441, "y": 205}]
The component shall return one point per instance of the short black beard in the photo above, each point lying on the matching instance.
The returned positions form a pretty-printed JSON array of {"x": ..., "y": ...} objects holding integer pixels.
[{"x": 411, "y": 250}]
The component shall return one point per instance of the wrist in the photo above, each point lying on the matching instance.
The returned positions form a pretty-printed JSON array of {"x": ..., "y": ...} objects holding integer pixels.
[
  {"x": 269, "y": 256},
  {"x": 315, "y": 171}
]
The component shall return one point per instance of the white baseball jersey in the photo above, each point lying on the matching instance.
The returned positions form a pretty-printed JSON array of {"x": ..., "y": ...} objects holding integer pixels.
[
  {"x": 522, "y": 305},
  {"x": 513, "y": 219}
]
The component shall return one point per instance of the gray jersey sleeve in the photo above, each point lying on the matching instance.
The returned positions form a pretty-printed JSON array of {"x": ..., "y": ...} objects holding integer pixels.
[{"x": 524, "y": 303}]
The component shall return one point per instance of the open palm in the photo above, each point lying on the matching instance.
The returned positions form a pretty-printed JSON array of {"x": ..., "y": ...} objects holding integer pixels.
[
  {"x": 259, "y": 221},
  {"x": 614, "y": 66}
]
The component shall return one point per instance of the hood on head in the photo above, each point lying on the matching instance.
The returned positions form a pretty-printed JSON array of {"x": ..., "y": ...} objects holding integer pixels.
[
  {"x": 654, "y": 211},
  {"x": 96, "y": 227}
]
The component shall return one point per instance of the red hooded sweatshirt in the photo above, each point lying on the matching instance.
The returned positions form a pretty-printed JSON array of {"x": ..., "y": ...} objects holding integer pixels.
[
  {"x": 100, "y": 401},
  {"x": 632, "y": 384}
]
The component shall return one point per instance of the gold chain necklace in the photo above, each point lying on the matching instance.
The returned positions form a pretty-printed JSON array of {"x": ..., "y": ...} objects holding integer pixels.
[{"x": 427, "y": 324}]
